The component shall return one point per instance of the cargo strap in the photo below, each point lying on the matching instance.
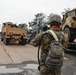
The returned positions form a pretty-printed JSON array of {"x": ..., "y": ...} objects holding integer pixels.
[{"x": 54, "y": 35}]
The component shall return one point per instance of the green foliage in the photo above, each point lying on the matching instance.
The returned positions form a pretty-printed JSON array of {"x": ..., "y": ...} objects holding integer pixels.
[
  {"x": 23, "y": 25},
  {"x": 29, "y": 31},
  {"x": 48, "y": 17},
  {"x": 38, "y": 21}
]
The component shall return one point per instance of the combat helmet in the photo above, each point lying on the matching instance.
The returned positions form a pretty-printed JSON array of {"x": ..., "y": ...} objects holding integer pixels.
[{"x": 55, "y": 18}]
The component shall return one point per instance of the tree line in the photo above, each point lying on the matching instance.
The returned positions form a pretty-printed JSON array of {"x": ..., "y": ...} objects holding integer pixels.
[{"x": 40, "y": 20}]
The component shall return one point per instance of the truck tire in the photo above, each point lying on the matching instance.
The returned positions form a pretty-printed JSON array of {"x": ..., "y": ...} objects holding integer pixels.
[
  {"x": 68, "y": 34},
  {"x": 23, "y": 41},
  {"x": 6, "y": 41},
  {"x": 1, "y": 39}
]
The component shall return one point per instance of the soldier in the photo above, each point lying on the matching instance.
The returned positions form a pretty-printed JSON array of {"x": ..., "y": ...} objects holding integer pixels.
[{"x": 55, "y": 22}]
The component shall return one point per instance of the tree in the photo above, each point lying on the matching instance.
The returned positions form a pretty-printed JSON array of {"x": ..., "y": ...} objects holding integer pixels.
[
  {"x": 38, "y": 21},
  {"x": 23, "y": 25},
  {"x": 32, "y": 24},
  {"x": 48, "y": 17}
]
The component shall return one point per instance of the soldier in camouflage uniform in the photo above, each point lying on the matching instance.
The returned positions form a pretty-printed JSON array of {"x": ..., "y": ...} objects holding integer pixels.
[{"x": 55, "y": 21}]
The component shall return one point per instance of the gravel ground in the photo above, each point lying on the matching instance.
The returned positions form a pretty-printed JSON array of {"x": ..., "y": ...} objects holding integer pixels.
[{"x": 69, "y": 67}]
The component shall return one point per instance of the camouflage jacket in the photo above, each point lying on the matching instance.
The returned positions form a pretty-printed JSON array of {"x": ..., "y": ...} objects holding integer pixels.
[{"x": 45, "y": 42}]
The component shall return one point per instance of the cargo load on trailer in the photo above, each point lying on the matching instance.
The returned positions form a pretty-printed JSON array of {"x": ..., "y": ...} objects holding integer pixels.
[{"x": 69, "y": 27}]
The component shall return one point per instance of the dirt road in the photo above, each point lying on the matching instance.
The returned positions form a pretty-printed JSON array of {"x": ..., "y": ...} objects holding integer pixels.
[{"x": 17, "y": 53}]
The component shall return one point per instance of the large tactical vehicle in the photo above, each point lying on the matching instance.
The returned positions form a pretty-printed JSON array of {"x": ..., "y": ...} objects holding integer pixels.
[
  {"x": 69, "y": 26},
  {"x": 11, "y": 33}
]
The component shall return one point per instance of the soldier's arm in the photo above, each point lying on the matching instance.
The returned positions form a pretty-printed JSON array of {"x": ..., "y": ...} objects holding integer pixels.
[{"x": 36, "y": 40}]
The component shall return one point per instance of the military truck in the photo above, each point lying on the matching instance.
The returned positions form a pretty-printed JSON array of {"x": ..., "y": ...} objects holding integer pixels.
[
  {"x": 69, "y": 26},
  {"x": 11, "y": 33}
]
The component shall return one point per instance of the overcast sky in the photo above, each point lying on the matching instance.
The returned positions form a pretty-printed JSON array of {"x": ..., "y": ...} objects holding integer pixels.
[{"x": 23, "y": 11}]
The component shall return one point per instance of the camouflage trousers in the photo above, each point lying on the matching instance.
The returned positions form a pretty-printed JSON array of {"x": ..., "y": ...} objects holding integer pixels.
[{"x": 43, "y": 71}]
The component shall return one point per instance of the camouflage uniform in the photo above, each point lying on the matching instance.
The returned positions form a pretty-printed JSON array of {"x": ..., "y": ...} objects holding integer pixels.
[{"x": 44, "y": 50}]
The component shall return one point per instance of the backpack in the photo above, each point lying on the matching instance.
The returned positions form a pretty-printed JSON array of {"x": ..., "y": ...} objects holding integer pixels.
[{"x": 55, "y": 55}]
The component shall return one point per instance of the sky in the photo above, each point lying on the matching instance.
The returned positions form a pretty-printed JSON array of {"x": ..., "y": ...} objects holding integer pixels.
[{"x": 24, "y": 11}]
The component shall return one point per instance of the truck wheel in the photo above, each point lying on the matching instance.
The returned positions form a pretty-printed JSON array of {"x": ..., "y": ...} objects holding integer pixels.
[
  {"x": 20, "y": 42},
  {"x": 6, "y": 41},
  {"x": 23, "y": 42},
  {"x": 68, "y": 34},
  {"x": 1, "y": 39}
]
